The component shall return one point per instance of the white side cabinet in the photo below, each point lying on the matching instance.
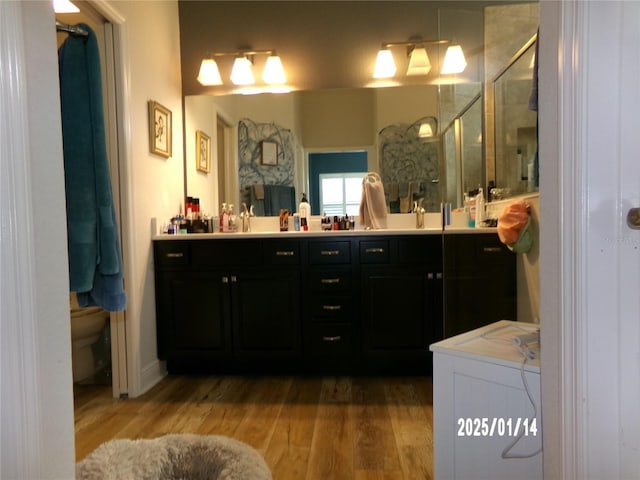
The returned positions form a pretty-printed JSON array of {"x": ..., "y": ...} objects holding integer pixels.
[{"x": 481, "y": 406}]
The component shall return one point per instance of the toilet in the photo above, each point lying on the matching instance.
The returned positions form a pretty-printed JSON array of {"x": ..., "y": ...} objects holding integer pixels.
[{"x": 87, "y": 324}]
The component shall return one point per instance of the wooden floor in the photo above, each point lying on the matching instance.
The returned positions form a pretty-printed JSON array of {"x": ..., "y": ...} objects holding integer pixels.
[{"x": 306, "y": 428}]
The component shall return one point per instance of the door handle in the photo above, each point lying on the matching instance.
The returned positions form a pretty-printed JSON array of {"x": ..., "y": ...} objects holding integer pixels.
[{"x": 633, "y": 218}]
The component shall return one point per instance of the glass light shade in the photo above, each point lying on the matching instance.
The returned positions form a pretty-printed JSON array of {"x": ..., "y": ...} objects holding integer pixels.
[
  {"x": 454, "y": 61},
  {"x": 64, "y": 6},
  {"x": 425, "y": 131},
  {"x": 242, "y": 72},
  {"x": 419, "y": 63},
  {"x": 209, "y": 73},
  {"x": 385, "y": 66},
  {"x": 273, "y": 71}
]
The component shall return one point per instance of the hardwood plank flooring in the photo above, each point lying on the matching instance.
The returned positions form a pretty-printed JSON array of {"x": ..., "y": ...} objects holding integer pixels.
[{"x": 307, "y": 428}]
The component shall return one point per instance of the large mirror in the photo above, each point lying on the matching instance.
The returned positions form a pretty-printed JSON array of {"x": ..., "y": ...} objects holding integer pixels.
[
  {"x": 368, "y": 121},
  {"x": 516, "y": 124}
]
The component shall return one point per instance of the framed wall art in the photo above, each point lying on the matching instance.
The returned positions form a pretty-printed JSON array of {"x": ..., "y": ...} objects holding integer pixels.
[
  {"x": 203, "y": 152},
  {"x": 160, "y": 129},
  {"x": 269, "y": 154}
]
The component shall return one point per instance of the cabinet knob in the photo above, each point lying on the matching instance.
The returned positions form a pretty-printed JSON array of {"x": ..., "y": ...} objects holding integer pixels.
[{"x": 335, "y": 338}]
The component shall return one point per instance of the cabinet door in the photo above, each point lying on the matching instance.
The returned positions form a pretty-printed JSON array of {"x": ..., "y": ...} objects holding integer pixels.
[
  {"x": 398, "y": 309},
  {"x": 481, "y": 285},
  {"x": 198, "y": 314},
  {"x": 266, "y": 314}
]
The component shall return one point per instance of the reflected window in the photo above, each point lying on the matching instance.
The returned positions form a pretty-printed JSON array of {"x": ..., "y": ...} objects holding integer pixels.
[{"x": 340, "y": 193}]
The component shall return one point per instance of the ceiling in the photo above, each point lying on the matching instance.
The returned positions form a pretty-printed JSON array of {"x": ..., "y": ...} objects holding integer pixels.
[{"x": 322, "y": 44}]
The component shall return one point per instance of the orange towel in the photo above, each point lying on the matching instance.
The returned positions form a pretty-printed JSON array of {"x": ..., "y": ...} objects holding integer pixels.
[{"x": 512, "y": 221}]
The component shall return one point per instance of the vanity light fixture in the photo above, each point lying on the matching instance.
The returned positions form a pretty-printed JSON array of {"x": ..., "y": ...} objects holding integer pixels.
[
  {"x": 419, "y": 63},
  {"x": 209, "y": 74},
  {"x": 427, "y": 127},
  {"x": 454, "y": 61},
  {"x": 242, "y": 71}
]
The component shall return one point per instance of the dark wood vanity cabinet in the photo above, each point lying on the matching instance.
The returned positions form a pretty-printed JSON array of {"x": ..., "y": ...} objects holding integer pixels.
[
  {"x": 227, "y": 305},
  {"x": 401, "y": 302},
  {"x": 480, "y": 282},
  {"x": 339, "y": 304}
]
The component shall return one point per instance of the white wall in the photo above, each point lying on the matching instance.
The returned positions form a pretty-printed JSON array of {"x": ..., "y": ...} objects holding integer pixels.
[
  {"x": 36, "y": 384},
  {"x": 155, "y": 185},
  {"x": 200, "y": 114}
]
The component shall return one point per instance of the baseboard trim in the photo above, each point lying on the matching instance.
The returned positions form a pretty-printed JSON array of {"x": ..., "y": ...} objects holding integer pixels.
[{"x": 151, "y": 375}]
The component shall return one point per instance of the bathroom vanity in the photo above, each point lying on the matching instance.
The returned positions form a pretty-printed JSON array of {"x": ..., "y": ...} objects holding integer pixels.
[{"x": 367, "y": 302}]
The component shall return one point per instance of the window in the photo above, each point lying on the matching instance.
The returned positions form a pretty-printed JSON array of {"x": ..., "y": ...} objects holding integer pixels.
[{"x": 340, "y": 193}]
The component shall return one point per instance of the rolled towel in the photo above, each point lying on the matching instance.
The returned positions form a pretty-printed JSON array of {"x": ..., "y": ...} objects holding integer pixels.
[
  {"x": 393, "y": 190},
  {"x": 373, "y": 207},
  {"x": 258, "y": 191}
]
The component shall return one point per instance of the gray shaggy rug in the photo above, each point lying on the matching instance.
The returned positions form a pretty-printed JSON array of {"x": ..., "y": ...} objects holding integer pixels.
[{"x": 174, "y": 457}]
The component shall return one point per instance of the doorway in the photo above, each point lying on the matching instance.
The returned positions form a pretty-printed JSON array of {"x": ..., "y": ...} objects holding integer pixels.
[{"x": 109, "y": 352}]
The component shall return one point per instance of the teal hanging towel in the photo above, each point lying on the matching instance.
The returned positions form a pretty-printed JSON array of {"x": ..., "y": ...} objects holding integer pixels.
[{"x": 95, "y": 261}]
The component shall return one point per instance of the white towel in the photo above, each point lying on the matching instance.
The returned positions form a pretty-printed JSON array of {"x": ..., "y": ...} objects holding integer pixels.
[{"x": 373, "y": 206}]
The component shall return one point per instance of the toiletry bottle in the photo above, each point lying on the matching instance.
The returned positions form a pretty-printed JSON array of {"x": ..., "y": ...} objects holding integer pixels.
[
  {"x": 304, "y": 209},
  {"x": 472, "y": 210},
  {"x": 284, "y": 220},
  {"x": 223, "y": 208},
  {"x": 480, "y": 208},
  {"x": 232, "y": 221}
]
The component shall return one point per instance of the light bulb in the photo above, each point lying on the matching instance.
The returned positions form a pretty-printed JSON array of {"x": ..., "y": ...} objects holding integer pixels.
[{"x": 209, "y": 73}]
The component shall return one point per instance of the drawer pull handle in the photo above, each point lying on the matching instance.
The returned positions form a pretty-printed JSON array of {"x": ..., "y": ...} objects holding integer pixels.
[
  {"x": 175, "y": 255},
  {"x": 492, "y": 249},
  {"x": 336, "y": 338},
  {"x": 225, "y": 279},
  {"x": 332, "y": 308},
  {"x": 439, "y": 276},
  {"x": 329, "y": 253},
  {"x": 374, "y": 250},
  {"x": 285, "y": 253},
  {"x": 329, "y": 281}
]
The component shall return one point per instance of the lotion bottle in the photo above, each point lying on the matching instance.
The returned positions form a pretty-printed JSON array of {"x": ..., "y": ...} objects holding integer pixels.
[
  {"x": 480, "y": 208},
  {"x": 304, "y": 209}
]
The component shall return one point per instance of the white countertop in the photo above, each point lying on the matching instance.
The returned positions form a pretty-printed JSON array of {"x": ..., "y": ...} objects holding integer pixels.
[
  {"x": 268, "y": 227},
  {"x": 492, "y": 343}
]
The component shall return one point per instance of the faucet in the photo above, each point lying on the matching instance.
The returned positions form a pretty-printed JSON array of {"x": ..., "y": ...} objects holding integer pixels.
[{"x": 246, "y": 217}]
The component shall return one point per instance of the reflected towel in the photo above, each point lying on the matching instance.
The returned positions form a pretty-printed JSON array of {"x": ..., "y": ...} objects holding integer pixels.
[
  {"x": 373, "y": 207},
  {"x": 258, "y": 191}
]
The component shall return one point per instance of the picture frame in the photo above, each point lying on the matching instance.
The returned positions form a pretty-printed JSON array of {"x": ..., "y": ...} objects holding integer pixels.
[
  {"x": 203, "y": 152},
  {"x": 160, "y": 129},
  {"x": 269, "y": 153}
]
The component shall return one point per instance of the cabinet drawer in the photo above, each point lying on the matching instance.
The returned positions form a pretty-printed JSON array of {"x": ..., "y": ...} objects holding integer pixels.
[
  {"x": 286, "y": 252},
  {"x": 420, "y": 250},
  {"x": 222, "y": 252},
  {"x": 328, "y": 340},
  {"x": 331, "y": 308},
  {"x": 330, "y": 280},
  {"x": 172, "y": 254},
  {"x": 326, "y": 253},
  {"x": 374, "y": 251}
]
